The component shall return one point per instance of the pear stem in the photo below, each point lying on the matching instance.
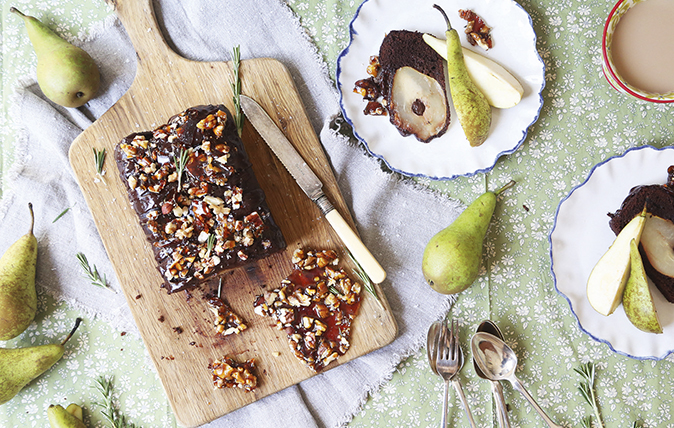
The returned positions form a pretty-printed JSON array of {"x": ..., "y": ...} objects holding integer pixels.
[
  {"x": 32, "y": 217},
  {"x": 77, "y": 324},
  {"x": 17, "y": 11},
  {"x": 444, "y": 15},
  {"x": 507, "y": 186}
]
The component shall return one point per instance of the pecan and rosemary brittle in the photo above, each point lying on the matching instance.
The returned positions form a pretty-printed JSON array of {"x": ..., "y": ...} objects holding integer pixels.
[
  {"x": 315, "y": 305},
  {"x": 477, "y": 31},
  {"x": 228, "y": 373},
  {"x": 226, "y": 320}
]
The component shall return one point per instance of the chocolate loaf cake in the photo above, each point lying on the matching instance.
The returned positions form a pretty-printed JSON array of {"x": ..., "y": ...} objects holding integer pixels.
[
  {"x": 659, "y": 201},
  {"x": 402, "y": 49},
  {"x": 191, "y": 184}
]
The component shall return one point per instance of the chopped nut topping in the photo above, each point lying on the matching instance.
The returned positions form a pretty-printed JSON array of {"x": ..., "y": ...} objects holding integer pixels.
[{"x": 207, "y": 218}]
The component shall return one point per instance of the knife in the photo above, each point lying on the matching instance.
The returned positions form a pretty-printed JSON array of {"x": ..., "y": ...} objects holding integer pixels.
[{"x": 311, "y": 185}]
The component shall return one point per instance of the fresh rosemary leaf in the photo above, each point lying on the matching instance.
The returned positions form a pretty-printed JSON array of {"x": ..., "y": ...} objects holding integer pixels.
[
  {"x": 62, "y": 214},
  {"x": 236, "y": 89},
  {"x": 99, "y": 160},
  {"x": 365, "y": 279},
  {"x": 180, "y": 162},
  {"x": 92, "y": 273},
  {"x": 586, "y": 422},
  {"x": 109, "y": 411},
  {"x": 333, "y": 290},
  {"x": 209, "y": 244}
]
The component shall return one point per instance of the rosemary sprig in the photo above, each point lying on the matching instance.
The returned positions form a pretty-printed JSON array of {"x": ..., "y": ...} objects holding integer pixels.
[
  {"x": 92, "y": 273},
  {"x": 99, "y": 160},
  {"x": 62, "y": 213},
  {"x": 586, "y": 422},
  {"x": 236, "y": 88},
  {"x": 333, "y": 290},
  {"x": 586, "y": 388},
  {"x": 360, "y": 273},
  {"x": 180, "y": 162},
  {"x": 109, "y": 411}
]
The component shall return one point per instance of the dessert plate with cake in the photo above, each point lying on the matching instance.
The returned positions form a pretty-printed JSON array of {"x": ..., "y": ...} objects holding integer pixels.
[
  {"x": 582, "y": 233},
  {"x": 448, "y": 154}
]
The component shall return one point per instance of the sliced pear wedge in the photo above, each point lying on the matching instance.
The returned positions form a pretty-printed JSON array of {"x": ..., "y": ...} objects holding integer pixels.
[
  {"x": 637, "y": 297},
  {"x": 499, "y": 86},
  {"x": 607, "y": 280}
]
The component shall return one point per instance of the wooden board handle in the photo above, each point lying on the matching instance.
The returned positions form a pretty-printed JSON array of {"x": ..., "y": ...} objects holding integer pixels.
[
  {"x": 360, "y": 252},
  {"x": 140, "y": 23}
]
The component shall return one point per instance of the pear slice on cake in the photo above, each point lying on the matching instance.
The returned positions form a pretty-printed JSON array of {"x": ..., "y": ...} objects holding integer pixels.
[
  {"x": 637, "y": 298},
  {"x": 609, "y": 276}
]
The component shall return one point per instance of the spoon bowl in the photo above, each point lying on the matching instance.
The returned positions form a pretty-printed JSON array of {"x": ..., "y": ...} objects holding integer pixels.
[
  {"x": 490, "y": 327},
  {"x": 498, "y": 362}
]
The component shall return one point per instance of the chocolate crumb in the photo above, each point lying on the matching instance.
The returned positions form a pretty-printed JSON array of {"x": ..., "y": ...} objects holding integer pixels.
[
  {"x": 161, "y": 318},
  {"x": 178, "y": 329}
]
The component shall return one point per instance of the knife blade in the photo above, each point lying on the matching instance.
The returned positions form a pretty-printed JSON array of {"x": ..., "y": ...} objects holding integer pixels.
[{"x": 311, "y": 185}]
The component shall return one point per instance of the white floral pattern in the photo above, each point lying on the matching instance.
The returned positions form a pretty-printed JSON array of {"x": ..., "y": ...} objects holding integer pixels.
[{"x": 583, "y": 122}]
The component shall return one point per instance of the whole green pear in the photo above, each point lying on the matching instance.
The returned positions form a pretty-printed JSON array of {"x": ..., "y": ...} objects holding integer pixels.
[
  {"x": 20, "y": 366},
  {"x": 452, "y": 258},
  {"x": 18, "y": 300},
  {"x": 67, "y": 75},
  {"x": 472, "y": 107},
  {"x": 637, "y": 297},
  {"x": 65, "y": 418}
]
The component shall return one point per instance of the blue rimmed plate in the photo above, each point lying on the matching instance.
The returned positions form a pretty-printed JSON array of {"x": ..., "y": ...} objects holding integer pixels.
[
  {"x": 448, "y": 156},
  {"x": 581, "y": 235}
]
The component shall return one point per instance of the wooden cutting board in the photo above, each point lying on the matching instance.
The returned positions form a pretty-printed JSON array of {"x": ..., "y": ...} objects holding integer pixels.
[{"x": 177, "y": 328}]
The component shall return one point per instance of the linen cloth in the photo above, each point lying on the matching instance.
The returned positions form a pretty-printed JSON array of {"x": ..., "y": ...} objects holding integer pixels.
[{"x": 395, "y": 217}]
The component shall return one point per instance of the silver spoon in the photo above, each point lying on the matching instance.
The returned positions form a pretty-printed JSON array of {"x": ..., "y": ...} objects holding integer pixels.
[
  {"x": 488, "y": 326},
  {"x": 498, "y": 362},
  {"x": 432, "y": 344}
]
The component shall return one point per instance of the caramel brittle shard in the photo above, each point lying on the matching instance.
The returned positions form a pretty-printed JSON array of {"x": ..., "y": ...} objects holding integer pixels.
[
  {"x": 228, "y": 373},
  {"x": 226, "y": 320},
  {"x": 477, "y": 31},
  {"x": 315, "y": 305},
  {"x": 191, "y": 184}
]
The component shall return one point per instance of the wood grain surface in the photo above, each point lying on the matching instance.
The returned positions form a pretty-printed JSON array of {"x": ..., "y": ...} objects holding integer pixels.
[{"x": 177, "y": 329}]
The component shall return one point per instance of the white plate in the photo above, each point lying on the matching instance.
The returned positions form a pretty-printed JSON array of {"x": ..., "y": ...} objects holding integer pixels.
[
  {"x": 448, "y": 156},
  {"x": 581, "y": 235}
]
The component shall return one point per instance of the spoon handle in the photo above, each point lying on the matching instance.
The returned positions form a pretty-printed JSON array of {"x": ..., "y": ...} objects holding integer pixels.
[
  {"x": 501, "y": 409},
  {"x": 459, "y": 391},
  {"x": 518, "y": 386}
]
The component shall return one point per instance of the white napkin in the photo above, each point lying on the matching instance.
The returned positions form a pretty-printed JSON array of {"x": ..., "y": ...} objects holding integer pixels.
[{"x": 395, "y": 217}]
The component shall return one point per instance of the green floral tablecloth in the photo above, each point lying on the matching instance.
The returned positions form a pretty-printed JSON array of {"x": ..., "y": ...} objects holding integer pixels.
[{"x": 583, "y": 122}]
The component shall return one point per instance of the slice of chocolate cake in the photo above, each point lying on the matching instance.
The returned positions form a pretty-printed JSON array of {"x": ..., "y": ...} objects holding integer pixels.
[
  {"x": 408, "y": 83},
  {"x": 412, "y": 78},
  {"x": 197, "y": 199},
  {"x": 659, "y": 201}
]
